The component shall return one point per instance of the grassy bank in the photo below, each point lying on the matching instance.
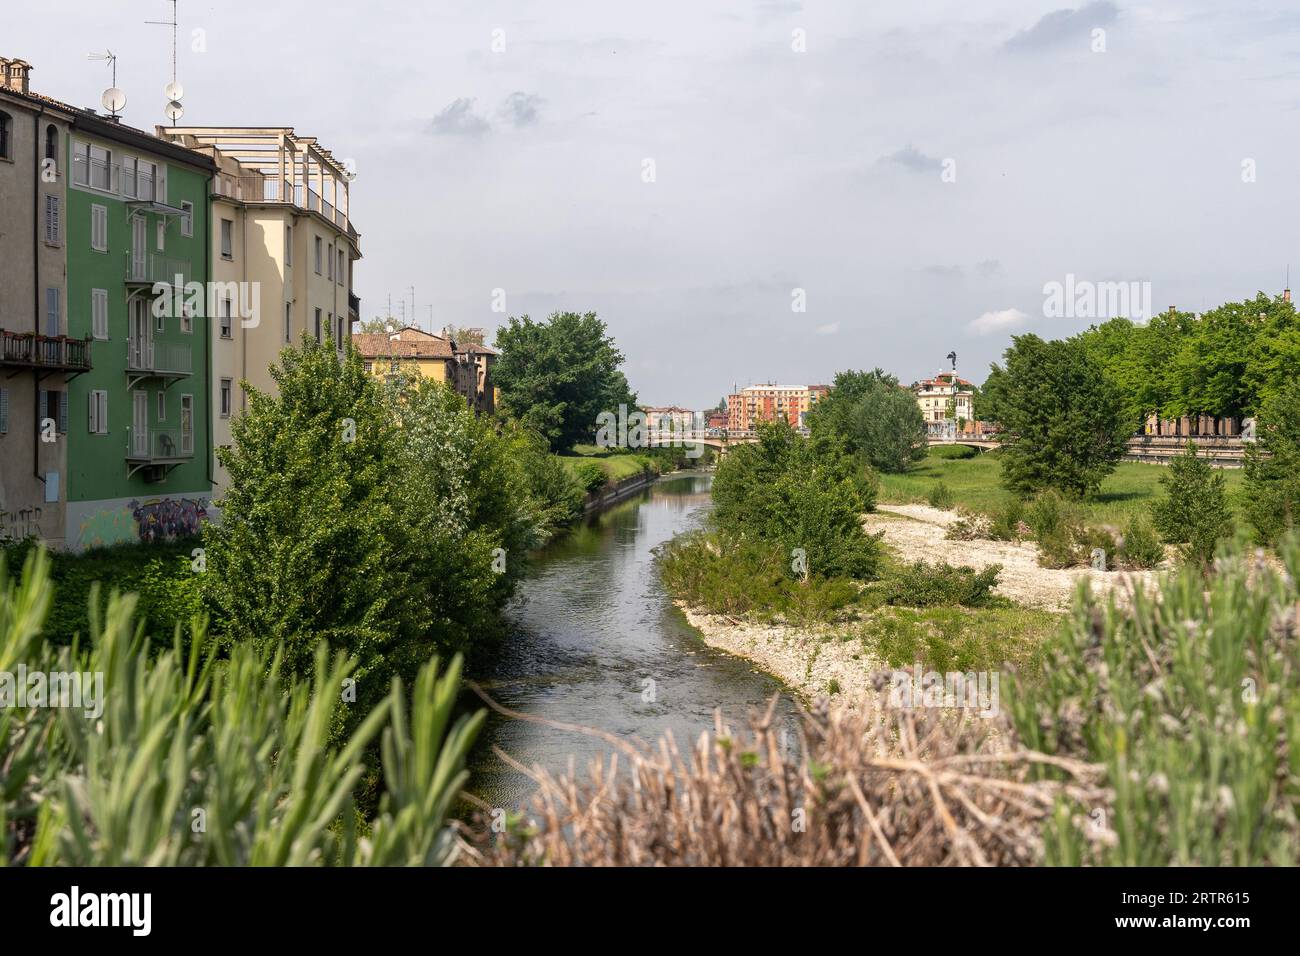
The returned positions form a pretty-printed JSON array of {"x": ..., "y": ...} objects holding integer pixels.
[{"x": 976, "y": 484}]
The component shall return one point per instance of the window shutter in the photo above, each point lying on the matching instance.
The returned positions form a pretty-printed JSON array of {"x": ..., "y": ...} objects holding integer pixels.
[
  {"x": 4, "y": 410},
  {"x": 92, "y": 413},
  {"x": 63, "y": 413},
  {"x": 51, "y": 312},
  {"x": 43, "y": 410}
]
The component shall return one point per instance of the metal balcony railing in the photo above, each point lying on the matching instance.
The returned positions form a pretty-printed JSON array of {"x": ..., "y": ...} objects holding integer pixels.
[
  {"x": 161, "y": 358},
  {"x": 159, "y": 444},
  {"x": 56, "y": 352},
  {"x": 154, "y": 267}
]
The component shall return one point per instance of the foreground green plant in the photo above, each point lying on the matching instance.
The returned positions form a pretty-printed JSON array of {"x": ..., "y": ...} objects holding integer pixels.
[
  {"x": 1191, "y": 700},
  {"x": 196, "y": 760}
]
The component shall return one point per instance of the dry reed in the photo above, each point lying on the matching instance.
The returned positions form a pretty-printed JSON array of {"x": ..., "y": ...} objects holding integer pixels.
[{"x": 877, "y": 787}]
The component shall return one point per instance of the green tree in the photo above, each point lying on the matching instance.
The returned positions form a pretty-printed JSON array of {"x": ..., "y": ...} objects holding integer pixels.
[
  {"x": 801, "y": 496},
  {"x": 1063, "y": 420},
  {"x": 557, "y": 376},
  {"x": 1194, "y": 510},
  {"x": 873, "y": 416},
  {"x": 1271, "y": 499}
]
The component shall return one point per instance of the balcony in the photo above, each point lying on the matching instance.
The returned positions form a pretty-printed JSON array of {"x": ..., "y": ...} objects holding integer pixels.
[
  {"x": 54, "y": 353},
  {"x": 165, "y": 360},
  {"x": 267, "y": 189},
  {"x": 157, "y": 449},
  {"x": 152, "y": 268}
]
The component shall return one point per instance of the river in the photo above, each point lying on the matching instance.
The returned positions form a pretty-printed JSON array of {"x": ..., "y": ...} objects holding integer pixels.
[{"x": 596, "y": 641}]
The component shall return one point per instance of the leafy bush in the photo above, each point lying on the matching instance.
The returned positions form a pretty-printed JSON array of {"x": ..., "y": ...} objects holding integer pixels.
[
  {"x": 1008, "y": 522},
  {"x": 1058, "y": 548},
  {"x": 1141, "y": 546},
  {"x": 1190, "y": 700},
  {"x": 969, "y": 527},
  {"x": 589, "y": 475},
  {"x": 954, "y": 452},
  {"x": 1049, "y": 514},
  {"x": 197, "y": 761},
  {"x": 724, "y": 574},
  {"x": 1271, "y": 501},
  {"x": 871, "y": 416},
  {"x": 801, "y": 496},
  {"x": 941, "y": 497},
  {"x": 1194, "y": 510},
  {"x": 932, "y": 585}
]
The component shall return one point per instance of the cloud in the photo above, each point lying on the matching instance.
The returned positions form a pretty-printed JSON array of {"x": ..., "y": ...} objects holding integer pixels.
[
  {"x": 828, "y": 329},
  {"x": 459, "y": 119},
  {"x": 1062, "y": 25},
  {"x": 943, "y": 272},
  {"x": 1001, "y": 321},
  {"x": 521, "y": 109},
  {"x": 988, "y": 267},
  {"x": 912, "y": 158}
]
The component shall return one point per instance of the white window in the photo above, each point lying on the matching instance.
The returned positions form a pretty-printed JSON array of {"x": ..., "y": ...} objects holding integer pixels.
[
  {"x": 187, "y": 218},
  {"x": 227, "y": 239},
  {"x": 98, "y": 420},
  {"x": 162, "y": 406},
  {"x": 226, "y": 386},
  {"x": 288, "y": 245},
  {"x": 99, "y": 228},
  {"x": 4, "y": 410},
  {"x": 99, "y": 313},
  {"x": 53, "y": 219},
  {"x": 161, "y": 234},
  {"x": 319, "y": 252},
  {"x": 224, "y": 319},
  {"x": 92, "y": 166}
]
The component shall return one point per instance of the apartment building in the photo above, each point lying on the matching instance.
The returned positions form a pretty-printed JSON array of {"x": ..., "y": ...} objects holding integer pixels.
[
  {"x": 137, "y": 255},
  {"x": 467, "y": 369},
  {"x": 283, "y": 248},
  {"x": 771, "y": 402},
  {"x": 670, "y": 418},
  {"x": 38, "y": 357},
  {"x": 944, "y": 401}
]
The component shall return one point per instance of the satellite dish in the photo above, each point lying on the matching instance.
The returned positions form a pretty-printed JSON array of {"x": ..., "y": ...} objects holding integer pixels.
[
  {"x": 174, "y": 111},
  {"x": 113, "y": 99},
  {"x": 174, "y": 91}
]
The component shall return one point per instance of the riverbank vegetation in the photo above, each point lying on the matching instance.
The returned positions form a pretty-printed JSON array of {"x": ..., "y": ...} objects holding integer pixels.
[
  {"x": 194, "y": 756},
  {"x": 1158, "y": 734}
]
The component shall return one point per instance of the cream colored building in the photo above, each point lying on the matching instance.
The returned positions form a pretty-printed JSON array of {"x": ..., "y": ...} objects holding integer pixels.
[
  {"x": 945, "y": 400},
  {"x": 282, "y": 256}
]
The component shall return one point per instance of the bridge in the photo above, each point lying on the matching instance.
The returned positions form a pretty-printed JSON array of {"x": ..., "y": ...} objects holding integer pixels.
[{"x": 981, "y": 442}]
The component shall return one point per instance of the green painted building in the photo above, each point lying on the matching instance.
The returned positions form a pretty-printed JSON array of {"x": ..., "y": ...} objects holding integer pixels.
[{"x": 139, "y": 428}]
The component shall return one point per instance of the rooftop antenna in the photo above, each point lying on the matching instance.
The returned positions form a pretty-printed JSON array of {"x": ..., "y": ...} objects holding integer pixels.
[
  {"x": 113, "y": 99},
  {"x": 173, "y": 90}
]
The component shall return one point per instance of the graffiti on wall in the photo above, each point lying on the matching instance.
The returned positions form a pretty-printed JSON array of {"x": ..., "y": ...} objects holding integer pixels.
[
  {"x": 20, "y": 524},
  {"x": 166, "y": 519},
  {"x": 157, "y": 519}
]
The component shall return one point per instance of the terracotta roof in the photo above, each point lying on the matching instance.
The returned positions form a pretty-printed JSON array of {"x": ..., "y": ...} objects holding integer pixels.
[
  {"x": 475, "y": 347},
  {"x": 401, "y": 345}
]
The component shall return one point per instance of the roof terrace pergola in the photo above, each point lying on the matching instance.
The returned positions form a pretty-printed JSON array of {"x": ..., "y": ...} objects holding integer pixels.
[{"x": 280, "y": 166}]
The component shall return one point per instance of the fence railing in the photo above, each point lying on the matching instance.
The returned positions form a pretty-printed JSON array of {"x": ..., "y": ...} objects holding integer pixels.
[
  {"x": 159, "y": 444},
  {"x": 44, "y": 351},
  {"x": 163, "y": 357}
]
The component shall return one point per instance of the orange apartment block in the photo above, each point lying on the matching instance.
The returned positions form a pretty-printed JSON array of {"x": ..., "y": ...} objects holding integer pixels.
[{"x": 770, "y": 402}]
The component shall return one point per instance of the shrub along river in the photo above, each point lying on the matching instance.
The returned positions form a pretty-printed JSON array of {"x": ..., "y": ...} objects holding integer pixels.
[{"x": 596, "y": 641}]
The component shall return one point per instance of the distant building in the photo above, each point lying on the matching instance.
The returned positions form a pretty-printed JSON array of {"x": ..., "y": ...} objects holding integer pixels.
[
  {"x": 770, "y": 402},
  {"x": 715, "y": 421},
  {"x": 670, "y": 418},
  {"x": 944, "y": 401},
  {"x": 468, "y": 370}
]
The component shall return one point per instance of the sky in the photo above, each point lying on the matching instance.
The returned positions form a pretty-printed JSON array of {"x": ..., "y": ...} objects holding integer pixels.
[{"x": 754, "y": 191}]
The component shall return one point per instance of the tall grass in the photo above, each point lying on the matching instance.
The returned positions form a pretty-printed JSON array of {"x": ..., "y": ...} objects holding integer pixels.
[{"x": 197, "y": 760}]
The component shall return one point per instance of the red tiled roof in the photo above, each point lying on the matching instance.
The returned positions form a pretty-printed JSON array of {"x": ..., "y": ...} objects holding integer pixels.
[{"x": 392, "y": 345}]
